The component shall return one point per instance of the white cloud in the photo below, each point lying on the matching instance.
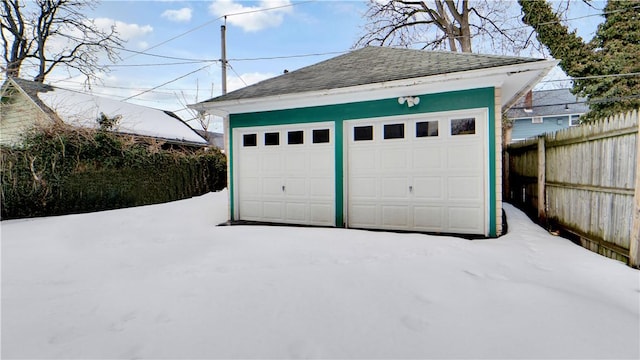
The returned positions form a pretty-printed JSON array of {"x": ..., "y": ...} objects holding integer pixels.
[
  {"x": 143, "y": 44},
  {"x": 125, "y": 31},
  {"x": 254, "y": 18},
  {"x": 182, "y": 15}
]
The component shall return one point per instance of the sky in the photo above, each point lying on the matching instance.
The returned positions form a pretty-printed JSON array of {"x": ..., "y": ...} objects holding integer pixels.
[{"x": 181, "y": 45}]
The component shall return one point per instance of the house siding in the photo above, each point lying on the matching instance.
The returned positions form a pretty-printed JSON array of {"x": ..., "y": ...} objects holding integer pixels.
[
  {"x": 338, "y": 113},
  {"x": 19, "y": 114},
  {"x": 524, "y": 128}
]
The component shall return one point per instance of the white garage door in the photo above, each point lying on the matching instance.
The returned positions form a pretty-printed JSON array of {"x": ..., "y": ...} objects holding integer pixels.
[
  {"x": 425, "y": 173},
  {"x": 285, "y": 174}
]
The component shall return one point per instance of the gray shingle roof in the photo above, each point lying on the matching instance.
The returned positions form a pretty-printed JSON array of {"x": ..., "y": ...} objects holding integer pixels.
[
  {"x": 550, "y": 102},
  {"x": 370, "y": 65},
  {"x": 81, "y": 109}
]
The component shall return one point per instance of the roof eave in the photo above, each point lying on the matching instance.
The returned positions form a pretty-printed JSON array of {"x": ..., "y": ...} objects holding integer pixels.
[{"x": 513, "y": 79}]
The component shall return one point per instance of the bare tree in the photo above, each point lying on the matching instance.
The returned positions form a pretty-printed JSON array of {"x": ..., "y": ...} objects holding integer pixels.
[
  {"x": 47, "y": 34},
  {"x": 446, "y": 24}
]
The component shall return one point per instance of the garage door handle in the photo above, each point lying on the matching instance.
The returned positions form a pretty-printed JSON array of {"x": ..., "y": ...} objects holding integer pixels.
[
  {"x": 410, "y": 189},
  {"x": 282, "y": 187}
]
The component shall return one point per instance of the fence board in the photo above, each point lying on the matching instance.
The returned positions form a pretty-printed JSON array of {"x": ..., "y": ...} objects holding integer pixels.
[{"x": 587, "y": 182}]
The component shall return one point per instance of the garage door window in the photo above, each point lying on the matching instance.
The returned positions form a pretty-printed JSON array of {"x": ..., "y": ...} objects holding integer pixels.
[
  {"x": 394, "y": 131},
  {"x": 320, "y": 136},
  {"x": 463, "y": 126},
  {"x": 362, "y": 133},
  {"x": 426, "y": 128},
  {"x": 250, "y": 140},
  {"x": 295, "y": 137},
  {"x": 272, "y": 138}
]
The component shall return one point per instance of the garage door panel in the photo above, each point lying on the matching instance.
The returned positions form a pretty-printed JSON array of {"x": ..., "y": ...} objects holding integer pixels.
[
  {"x": 428, "y": 188},
  {"x": 428, "y": 158},
  {"x": 296, "y": 162},
  {"x": 272, "y": 186},
  {"x": 271, "y": 163},
  {"x": 362, "y": 160},
  {"x": 296, "y": 211},
  {"x": 395, "y": 216},
  {"x": 272, "y": 210},
  {"x": 465, "y": 219},
  {"x": 280, "y": 181},
  {"x": 394, "y": 187},
  {"x": 394, "y": 159},
  {"x": 322, "y": 164},
  {"x": 432, "y": 179},
  {"x": 250, "y": 162},
  {"x": 251, "y": 186},
  {"x": 295, "y": 187},
  {"x": 465, "y": 188},
  {"x": 251, "y": 209},
  {"x": 466, "y": 157},
  {"x": 321, "y": 188},
  {"x": 363, "y": 188},
  {"x": 320, "y": 213},
  {"x": 428, "y": 218},
  {"x": 363, "y": 215}
]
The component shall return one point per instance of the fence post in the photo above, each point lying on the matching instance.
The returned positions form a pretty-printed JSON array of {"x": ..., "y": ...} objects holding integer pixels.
[
  {"x": 542, "y": 214},
  {"x": 634, "y": 241}
]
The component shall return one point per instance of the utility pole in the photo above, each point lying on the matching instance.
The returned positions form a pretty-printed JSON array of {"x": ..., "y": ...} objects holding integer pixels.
[{"x": 223, "y": 30}]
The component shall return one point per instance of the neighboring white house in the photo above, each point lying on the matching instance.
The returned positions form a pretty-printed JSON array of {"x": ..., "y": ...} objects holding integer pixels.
[
  {"x": 26, "y": 103},
  {"x": 545, "y": 111},
  {"x": 378, "y": 138}
]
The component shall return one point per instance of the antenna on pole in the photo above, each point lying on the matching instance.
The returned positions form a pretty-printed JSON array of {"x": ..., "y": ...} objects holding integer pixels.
[{"x": 223, "y": 30}]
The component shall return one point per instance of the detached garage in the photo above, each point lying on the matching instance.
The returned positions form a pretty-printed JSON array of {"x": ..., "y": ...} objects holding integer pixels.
[{"x": 378, "y": 138}]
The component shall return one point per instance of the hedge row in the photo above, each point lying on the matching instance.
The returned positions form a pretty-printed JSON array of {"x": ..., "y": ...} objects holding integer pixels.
[{"x": 63, "y": 170}]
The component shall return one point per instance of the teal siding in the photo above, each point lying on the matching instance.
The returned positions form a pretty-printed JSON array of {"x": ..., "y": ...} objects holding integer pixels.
[{"x": 447, "y": 101}]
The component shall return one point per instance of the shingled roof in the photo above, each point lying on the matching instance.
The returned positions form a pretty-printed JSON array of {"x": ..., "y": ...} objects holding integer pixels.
[
  {"x": 371, "y": 65},
  {"x": 82, "y": 109},
  {"x": 549, "y": 103}
]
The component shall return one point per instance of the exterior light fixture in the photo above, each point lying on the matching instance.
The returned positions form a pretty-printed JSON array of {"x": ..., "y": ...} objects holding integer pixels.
[{"x": 410, "y": 100}]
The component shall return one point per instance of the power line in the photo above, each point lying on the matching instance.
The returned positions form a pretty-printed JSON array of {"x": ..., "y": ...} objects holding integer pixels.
[
  {"x": 167, "y": 57},
  {"x": 168, "y": 82},
  {"x": 210, "y": 22},
  {"x": 593, "y": 77},
  {"x": 158, "y": 64},
  {"x": 239, "y": 77},
  {"x": 267, "y": 9},
  {"x": 170, "y": 39},
  {"x": 289, "y": 56}
]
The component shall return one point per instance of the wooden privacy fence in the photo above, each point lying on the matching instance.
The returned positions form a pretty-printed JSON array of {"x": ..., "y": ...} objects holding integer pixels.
[{"x": 584, "y": 180}]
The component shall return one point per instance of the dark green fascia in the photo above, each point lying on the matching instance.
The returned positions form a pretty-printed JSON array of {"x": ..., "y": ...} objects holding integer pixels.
[{"x": 446, "y": 101}]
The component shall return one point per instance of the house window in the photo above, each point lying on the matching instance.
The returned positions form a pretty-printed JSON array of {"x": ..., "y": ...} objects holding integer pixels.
[
  {"x": 249, "y": 140},
  {"x": 575, "y": 120},
  {"x": 394, "y": 131},
  {"x": 463, "y": 126},
  {"x": 426, "y": 128},
  {"x": 295, "y": 137},
  {"x": 272, "y": 138},
  {"x": 362, "y": 133},
  {"x": 320, "y": 136}
]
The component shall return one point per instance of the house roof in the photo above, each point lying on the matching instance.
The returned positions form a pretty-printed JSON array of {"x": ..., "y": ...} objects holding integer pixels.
[
  {"x": 82, "y": 109},
  {"x": 549, "y": 103},
  {"x": 370, "y": 65}
]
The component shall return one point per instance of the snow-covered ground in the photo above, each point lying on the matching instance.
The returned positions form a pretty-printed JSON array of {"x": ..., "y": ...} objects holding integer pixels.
[{"x": 163, "y": 281}]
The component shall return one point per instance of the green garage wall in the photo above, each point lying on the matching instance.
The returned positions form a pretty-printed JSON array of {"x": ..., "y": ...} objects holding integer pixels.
[{"x": 429, "y": 103}]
